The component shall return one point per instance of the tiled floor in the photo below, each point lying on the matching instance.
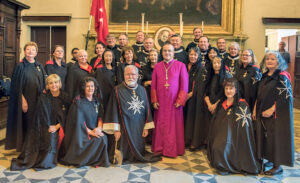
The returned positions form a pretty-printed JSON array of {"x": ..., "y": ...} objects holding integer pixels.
[{"x": 192, "y": 167}]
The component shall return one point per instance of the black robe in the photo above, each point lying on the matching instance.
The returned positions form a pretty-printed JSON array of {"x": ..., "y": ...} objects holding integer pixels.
[
  {"x": 138, "y": 47},
  {"x": 27, "y": 79},
  {"x": 52, "y": 67},
  {"x": 74, "y": 77},
  {"x": 130, "y": 113},
  {"x": 248, "y": 81},
  {"x": 179, "y": 54},
  {"x": 120, "y": 71},
  {"x": 275, "y": 140},
  {"x": 192, "y": 45},
  {"x": 107, "y": 81},
  {"x": 95, "y": 62},
  {"x": 78, "y": 147},
  {"x": 194, "y": 106},
  {"x": 143, "y": 58},
  {"x": 40, "y": 147},
  {"x": 231, "y": 142},
  {"x": 223, "y": 54},
  {"x": 232, "y": 63}
]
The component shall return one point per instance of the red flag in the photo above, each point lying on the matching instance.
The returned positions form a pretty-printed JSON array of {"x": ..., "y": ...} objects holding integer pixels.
[{"x": 99, "y": 13}]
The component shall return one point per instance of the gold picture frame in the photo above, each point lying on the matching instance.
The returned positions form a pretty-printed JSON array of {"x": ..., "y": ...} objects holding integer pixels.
[{"x": 230, "y": 22}]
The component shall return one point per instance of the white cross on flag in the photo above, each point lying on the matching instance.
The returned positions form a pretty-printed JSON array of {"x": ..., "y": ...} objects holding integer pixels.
[{"x": 99, "y": 13}]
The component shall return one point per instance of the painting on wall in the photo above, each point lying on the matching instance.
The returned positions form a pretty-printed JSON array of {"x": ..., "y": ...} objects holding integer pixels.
[{"x": 166, "y": 11}]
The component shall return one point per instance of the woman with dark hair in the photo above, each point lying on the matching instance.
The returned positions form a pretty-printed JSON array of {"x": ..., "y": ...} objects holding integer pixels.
[
  {"x": 248, "y": 75},
  {"x": 84, "y": 142},
  {"x": 128, "y": 57},
  {"x": 105, "y": 75},
  {"x": 27, "y": 83},
  {"x": 194, "y": 105},
  {"x": 274, "y": 113},
  {"x": 99, "y": 50},
  {"x": 75, "y": 74},
  {"x": 231, "y": 142},
  {"x": 57, "y": 65},
  {"x": 42, "y": 141}
]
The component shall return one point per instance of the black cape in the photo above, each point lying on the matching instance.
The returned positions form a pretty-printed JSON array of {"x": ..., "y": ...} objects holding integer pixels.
[
  {"x": 95, "y": 62},
  {"x": 248, "y": 79},
  {"x": 27, "y": 79},
  {"x": 194, "y": 106},
  {"x": 138, "y": 47},
  {"x": 192, "y": 45},
  {"x": 143, "y": 58},
  {"x": 78, "y": 147},
  {"x": 107, "y": 81},
  {"x": 275, "y": 141},
  {"x": 40, "y": 147},
  {"x": 74, "y": 77},
  {"x": 232, "y": 64},
  {"x": 231, "y": 144},
  {"x": 52, "y": 67},
  {"x": 130, "y": 114}
]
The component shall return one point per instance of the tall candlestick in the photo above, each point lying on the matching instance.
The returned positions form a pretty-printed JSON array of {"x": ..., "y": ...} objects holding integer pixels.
[
  {"x": 126, "y": 27},
  {"x": 202, "y": 27},
  {"x": 90, "y": 22},
  {"x": 146, "y": 27},
  {"x": 181, "y": 23},
  {"x": 143, "y": 21}
]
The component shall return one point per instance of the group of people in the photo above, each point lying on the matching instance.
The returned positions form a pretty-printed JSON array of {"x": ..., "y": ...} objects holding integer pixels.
[{"x": 202, "y": 97}]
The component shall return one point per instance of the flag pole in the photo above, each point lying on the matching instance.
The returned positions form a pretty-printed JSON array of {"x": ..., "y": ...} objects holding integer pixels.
[{"x": 88, "y": 33}]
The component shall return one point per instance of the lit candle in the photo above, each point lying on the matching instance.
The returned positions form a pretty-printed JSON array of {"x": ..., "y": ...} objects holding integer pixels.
[
  {"x": 202, "y": 27},
  {"x": 126, "y": 27},
  {"x": 146, "y": 27},
  {"x": 90, "y": 22},
  {"x": 181, "y": 24},
  {"x": 143, "y": 21}
]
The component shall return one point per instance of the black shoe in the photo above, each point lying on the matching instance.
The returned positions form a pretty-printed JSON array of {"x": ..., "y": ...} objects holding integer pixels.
[
  {"x": 193, "y": 149},
  {"x": 274, "y": 171}
]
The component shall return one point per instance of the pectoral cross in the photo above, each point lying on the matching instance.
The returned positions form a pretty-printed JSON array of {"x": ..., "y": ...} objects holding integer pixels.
[{"x": 167, "y": 85}]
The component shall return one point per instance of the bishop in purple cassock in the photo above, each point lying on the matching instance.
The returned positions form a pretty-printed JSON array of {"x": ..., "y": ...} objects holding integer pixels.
[{"x": 169, "y": 89}]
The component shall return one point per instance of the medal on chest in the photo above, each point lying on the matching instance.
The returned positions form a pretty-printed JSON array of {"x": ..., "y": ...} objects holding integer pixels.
[{"x": 38, "y": 68}]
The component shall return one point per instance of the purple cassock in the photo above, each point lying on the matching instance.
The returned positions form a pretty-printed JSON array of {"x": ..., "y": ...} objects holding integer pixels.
[{"x": 169, "y": 86}]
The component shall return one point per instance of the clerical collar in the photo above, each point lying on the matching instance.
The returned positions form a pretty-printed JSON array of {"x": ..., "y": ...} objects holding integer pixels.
[
  {"x": 196, "y": 41},
  {"x": 178, "y": 51},
  {"x": 139, "y": 44},
  {"x": 168, "y": 62},
  {"x": 234, "y": 58}
]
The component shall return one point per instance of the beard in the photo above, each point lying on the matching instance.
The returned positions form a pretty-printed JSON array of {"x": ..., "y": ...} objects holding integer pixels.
[{"x": 131, "y": 82}]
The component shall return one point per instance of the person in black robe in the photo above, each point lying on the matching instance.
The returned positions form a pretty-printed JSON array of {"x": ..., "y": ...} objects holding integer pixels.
[
  {"x": 143, "y": 56},
  {"x": 232, "y": 60},
  {"x": 57, "y": 64},
  {"x": 99, "y": 49},
  {"x": 204, "y": 48},
  {"x": 138, "y": 46},
  {"x": 221, "y": 45},
  {"x": 248, "y": 76},
  {"x": 128, "y": 58},
  {"x": 74, "y": 59},
  {"x": 41, "y": 144},
  {"x": 130, "y": 118},
  {"x": 195, "y": 96},
  {"x": 105, "y": 76},
  {"x": 274, "y": 113},
  {"x": 111, "y": 45},
  {"x": 78, "y": 71},
  {"x": 84, "y": 143},
  {"x": 27, "y": 83},
  {"x": 231, "y": 142},
  {"x": 179, "y": 53},
  {"x": 197, "y": 34}
]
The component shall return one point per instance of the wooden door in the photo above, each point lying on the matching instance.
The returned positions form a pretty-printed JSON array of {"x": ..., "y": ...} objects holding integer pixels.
[
  {"x": 41, "y": 35},
  {"x": 58, "y": 37}
]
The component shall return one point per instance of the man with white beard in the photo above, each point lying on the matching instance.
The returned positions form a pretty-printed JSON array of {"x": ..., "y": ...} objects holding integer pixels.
[{"x": 129, "y": 118}]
